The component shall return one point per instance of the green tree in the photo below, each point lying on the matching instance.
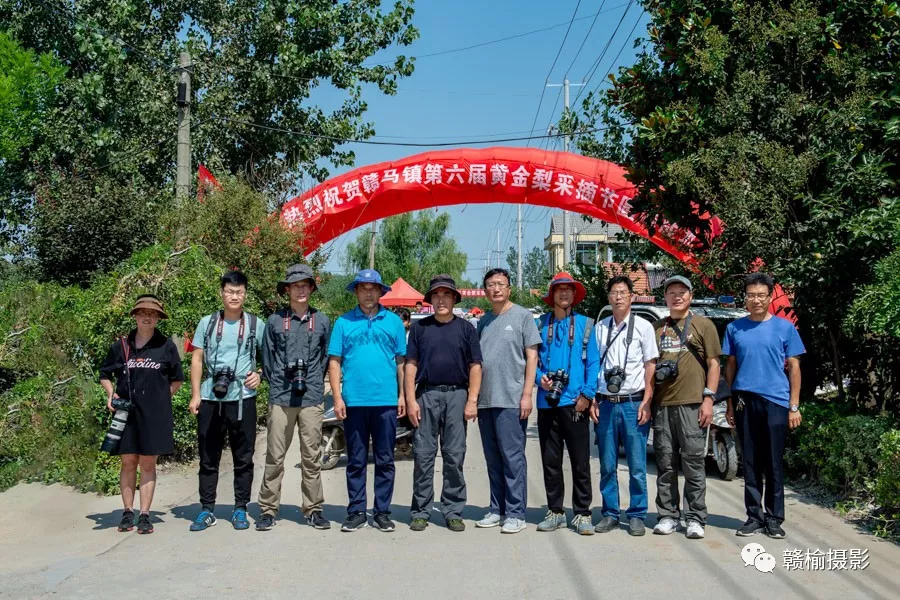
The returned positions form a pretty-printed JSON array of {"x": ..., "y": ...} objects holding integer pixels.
[
  {"x": 535, "y": 269},
  {"x": 28, "y": 84},
  {"x": 260, "y": 62},
  {"x": 414, "y": 246},
  {"x": 780, "y": 118}
]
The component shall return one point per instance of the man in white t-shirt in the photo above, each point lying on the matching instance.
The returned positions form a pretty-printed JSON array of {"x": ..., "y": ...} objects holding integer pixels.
[{"x": 621, "y": 408}]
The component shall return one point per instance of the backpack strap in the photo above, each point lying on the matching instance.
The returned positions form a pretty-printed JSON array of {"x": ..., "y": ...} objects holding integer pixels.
[{"x": 252, "y": 340}]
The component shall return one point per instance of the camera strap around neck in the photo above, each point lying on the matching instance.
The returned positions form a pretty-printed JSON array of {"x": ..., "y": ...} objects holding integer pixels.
[
  {"x": 551, "y": 326},
  {"x": 124, "y": 341},
  {"x": 610, "y": 338},
  {"x": 682, "y": 336},
  {"x": 287, "y": 317}
]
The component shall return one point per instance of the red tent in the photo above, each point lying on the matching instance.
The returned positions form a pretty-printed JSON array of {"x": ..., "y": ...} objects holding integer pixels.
[{"x": 402, "y": 294}]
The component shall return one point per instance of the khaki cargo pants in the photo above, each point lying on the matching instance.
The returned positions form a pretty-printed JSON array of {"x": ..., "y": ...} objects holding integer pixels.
[{"x": 280, "y": 434}]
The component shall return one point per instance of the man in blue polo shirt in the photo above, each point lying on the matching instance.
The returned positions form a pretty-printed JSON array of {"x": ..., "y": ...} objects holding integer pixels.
[
  {"x": 759, "y": 347},
  {"x": 368, "y": 345}
]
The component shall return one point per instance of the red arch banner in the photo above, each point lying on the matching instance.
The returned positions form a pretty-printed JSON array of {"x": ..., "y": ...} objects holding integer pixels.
[{"x": 475, "y": 176}]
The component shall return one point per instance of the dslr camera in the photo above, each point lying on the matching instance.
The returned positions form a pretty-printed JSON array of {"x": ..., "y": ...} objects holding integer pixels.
[
  {"x": 221, "y": 380},
  {"x": 559, "y": 379},
  {"x": 665, "y": 370},
  {"x": 297, "y": 371},
  {"x": 614, "y": 377},
  {"x": 113, "y": 437}
]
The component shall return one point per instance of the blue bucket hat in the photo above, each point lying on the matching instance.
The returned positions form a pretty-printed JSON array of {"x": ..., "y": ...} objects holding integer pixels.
[{"x": 368, "y": 276}]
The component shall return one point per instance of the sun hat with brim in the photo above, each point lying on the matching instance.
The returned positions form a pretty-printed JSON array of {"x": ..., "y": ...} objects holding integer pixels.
[
  {"x": 296, "y": 273},
  {"x": 151, "y": 302},
  {"x": 565, "y": 278},
  {"x": 442, "y": 281},
  {"x": 677, "y": 279},
  {"x": 368, "y": 276}
]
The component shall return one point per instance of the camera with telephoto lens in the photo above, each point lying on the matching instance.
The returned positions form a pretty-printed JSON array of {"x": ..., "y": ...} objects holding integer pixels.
[
  {"x": 297, "y": 371},
  {"x": 221, "y": 380},
  {"x": 615, "y": 377},
  {"x": 666, "y": 369},
  {"x": 113, "y": 438},
  {"x": 559, "y": 379}
]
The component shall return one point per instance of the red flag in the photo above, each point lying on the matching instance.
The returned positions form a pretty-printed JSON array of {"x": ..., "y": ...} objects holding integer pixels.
[{"x": 206, "y": 181}]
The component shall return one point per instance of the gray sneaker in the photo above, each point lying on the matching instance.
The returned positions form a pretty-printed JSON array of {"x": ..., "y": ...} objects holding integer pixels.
[
  {"x": 582, "y": 525},
  {"x": 694, "y": 530},
  {"x": 489, "y": 520},
  {"x": 607, "y": 524},
  {"x": 552, "y": 521},
  {"x": 666, "y": 526},
  {"x": 513, "y": 525}
]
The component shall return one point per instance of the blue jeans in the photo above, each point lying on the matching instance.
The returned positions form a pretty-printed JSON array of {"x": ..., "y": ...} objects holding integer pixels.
[
  {"x": 503, "y": 440},
  {"x": 619, "y": 421},
  {"x": 380, "y": 424}
]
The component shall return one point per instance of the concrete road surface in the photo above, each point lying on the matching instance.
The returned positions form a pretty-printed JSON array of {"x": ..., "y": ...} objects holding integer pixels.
[{"x": 56, "y": 542}]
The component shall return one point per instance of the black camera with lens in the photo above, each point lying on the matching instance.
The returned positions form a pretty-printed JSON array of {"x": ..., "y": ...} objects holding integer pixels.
[
  {"x": 221, "y": 380},
  {"x": 665, "y": 370},
  {"x": 113, "y": 438},
  {"x": 559, "y": 379},
  {"x": 614, "y": 377},
  {"x": 297, "y": 371}
]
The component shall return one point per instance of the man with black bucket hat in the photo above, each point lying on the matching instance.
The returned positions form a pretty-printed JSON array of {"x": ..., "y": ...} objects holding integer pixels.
[
  {"x": 442, "y": 380},
  {"x": 295, "y": 356}
]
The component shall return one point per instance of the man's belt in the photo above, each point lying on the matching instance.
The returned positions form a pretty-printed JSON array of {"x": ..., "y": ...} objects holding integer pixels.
[
  {"x": 444, "y": 388},
  {"x": 635, "y": 397}
]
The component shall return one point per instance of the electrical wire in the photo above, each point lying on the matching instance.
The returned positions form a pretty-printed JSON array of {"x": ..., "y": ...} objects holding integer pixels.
[{"x": 596, "y": 64}]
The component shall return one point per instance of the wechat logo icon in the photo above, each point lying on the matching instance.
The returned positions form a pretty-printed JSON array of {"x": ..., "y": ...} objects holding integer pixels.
[{"x": 754, "y": 554}]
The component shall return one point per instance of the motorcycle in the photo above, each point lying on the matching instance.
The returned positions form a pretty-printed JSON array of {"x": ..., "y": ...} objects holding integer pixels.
[
  {"x": 722, "y": 447},
  {"x": 334, "y": 444}
]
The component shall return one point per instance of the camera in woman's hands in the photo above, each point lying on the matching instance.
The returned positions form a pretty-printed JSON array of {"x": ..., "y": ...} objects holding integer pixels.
[{"x": 113, "y": 438}]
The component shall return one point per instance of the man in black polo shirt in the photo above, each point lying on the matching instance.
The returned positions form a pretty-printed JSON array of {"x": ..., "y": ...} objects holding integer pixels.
[{"x": 442, "y": 378}]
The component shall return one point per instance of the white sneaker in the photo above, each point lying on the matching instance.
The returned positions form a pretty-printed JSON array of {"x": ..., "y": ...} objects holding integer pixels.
[
  {"x": 694, "y": 530},
  {"x": 513, "y": 525},
  {"x": 489, "y": 520},
  {"x": 666, "y": 526}
]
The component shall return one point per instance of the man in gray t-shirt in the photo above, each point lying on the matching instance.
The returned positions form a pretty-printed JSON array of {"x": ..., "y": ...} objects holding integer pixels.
[{"x": 509, "y": 342}]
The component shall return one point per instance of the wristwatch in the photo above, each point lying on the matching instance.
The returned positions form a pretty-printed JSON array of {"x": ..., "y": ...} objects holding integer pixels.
[
  {"x": 709, "y": 392},
  {"x": 794, "y": 408}
]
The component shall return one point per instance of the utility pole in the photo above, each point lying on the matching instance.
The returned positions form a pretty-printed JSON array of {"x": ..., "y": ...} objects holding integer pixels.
[
  {"x": 519, "y": 253},
  {"x": 373, "y": 232},
  {"x": 183, "y": 100},
  {"x": 566, "y": 217}
]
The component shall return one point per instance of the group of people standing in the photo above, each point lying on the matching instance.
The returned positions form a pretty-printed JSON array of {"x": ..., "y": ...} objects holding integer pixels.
[{"x": 624, "y": 375}]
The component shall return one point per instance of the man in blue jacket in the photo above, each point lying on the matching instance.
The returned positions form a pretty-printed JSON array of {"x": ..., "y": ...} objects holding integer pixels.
[{"x": 567, "y": 379}]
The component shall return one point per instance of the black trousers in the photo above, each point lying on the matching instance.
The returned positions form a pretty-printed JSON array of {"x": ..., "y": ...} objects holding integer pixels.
[
  {"x": 215, "y": 421},
  {"x": 556, "y": 429},
  {"x": 763, "y": 426}
]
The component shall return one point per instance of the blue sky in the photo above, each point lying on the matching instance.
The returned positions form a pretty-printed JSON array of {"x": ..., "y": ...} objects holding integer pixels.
[{"x": 493, "y": 91}]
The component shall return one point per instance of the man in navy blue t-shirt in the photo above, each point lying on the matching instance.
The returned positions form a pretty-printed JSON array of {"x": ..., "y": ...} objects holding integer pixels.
[
  {"x": 760, "y": 348},
  {"x": 442, "y": 380}
]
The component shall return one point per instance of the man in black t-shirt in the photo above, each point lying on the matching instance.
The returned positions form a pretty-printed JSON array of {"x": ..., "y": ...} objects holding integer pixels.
[{"x": 442, "y": 381}]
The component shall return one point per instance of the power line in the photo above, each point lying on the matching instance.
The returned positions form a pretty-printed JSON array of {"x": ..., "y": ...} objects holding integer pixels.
[
  {"x": 550, "y": 72},
  {"x": 583, "y": 41},
  {"x": 499, "y": 40},
  {"x": 403, "y": 144},
  {"x": 596, "y": 64},
  {"x": 616, "y": 59}
]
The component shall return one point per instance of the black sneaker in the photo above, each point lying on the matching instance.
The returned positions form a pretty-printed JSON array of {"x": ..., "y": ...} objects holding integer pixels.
[
  {"x": 127, "y": 522},
  {"x": 265, "y": 522},
  {"x": 382, "y": 522},
  {"x": 317, "y": 520},
  {"x": 144, "y": 524},
  {"x": 355, "y": 521},
  {"x": 773, "y": 529},
  {"x": 636, "y": 526},
  {"x": 750, "y": 527}
]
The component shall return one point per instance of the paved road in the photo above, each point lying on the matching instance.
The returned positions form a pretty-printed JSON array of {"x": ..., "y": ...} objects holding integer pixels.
[{"x": 54, "y": 541}]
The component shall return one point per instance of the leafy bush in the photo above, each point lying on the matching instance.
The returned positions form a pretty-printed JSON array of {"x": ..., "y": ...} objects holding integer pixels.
[{"x": 887, "y": 482}]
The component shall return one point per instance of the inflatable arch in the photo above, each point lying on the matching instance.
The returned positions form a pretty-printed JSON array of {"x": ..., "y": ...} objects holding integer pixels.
[{"x": 476, "y": 176}]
